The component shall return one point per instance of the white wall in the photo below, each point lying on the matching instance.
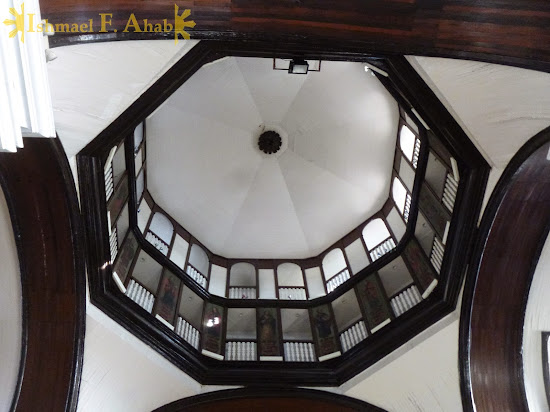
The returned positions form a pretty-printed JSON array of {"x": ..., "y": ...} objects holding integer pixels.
[
  {"x": 93, "y": 83},
  {"x": 121, "y": 373},
  {"x": 421, "y": 376},
  {"x": 10, "y": 315}
]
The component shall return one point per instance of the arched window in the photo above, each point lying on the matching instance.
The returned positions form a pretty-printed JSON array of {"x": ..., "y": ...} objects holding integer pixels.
[
  {"x": 378, "y": 239},
  {"x": 162, "y": 227},
  {"x": 291, "y": 282},
  {"x": 375, "y": 232},
  {"x": 399, "y": 194},
  {"x": 140, "y": 184},
  {"x": 242, "y": 281},
  {"x": 243, "y": 274},
  {"x": 409, "y": 144},
  {"x": 406, "y": 142},
  {"x": 198, "y": 265},
  {"x": 138, "y": 136},
  {"x": 335, "y": 269},
  {"x": 289, "y": 274}
]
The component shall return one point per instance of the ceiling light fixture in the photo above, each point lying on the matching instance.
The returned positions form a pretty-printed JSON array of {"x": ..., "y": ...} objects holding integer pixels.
[
  {"x": 298, "y": 66},
  {"x": 270, "y": 142}
]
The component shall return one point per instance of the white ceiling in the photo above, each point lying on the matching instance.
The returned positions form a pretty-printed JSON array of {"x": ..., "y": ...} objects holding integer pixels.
[
  {"x": 93, "y": 83},
  {"x": 499, "y": 107},
  {"x": 205, "y": 169},
  {"x": 498, "y": 118}
]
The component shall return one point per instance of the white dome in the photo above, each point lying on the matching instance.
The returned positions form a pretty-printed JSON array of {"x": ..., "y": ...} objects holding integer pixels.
[{"x": 339, "y": 129}]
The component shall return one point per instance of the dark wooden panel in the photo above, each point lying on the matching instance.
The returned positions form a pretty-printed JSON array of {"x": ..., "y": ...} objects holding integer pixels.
[
  {"x": 504, "y": 31},
  {"x": 418, "y": 264},
  {"x": 269, "y": 400},
  {"x": 515, "y": 226},
  {"x": 433, "y": 210},
  {"x": 409, "y": 89},
  {"x": 38, "y": 185}
]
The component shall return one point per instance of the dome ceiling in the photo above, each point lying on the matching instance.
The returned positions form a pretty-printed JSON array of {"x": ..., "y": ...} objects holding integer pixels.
[{"x": 333, "y": 171}]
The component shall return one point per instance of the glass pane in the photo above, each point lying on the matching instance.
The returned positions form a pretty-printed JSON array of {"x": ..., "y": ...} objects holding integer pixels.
[
  {"x": 289, "y": 274},
  {"x": 218, "y": 280},
  {"x": 122, "y": 224},
  {"x": 266, "y": 278},
  {"x": 399, "y": 194},
  {"x": 144, "y": 211},
  {"x": 199, "y": 260},
  {"x": 357, "y": 257},
  {"x": 140, "y": 184},
  {"x": 296, "y": 326},
  {"x": 242, "y": 274},
  {"x": 375, "y": 232},
  {"x": 395, "y": 276},
  {"x": 178, "y": 255},
  {"x": 346, "y": 310},
  {"x": 333, "y": 263},
  {"x": 406, "y": 142},
  {"x": 424, "y": 233},
  {"x": 147, "y": 272},
  {"x": 241, "y": 324},
  {"x": 138, "y": 136},
  {"x": 162, "y": 227},
  {"x": 436, "y": 173},
  {"x": 315, "y": 284},
  {"x": 191, "y": 306},
  {"x": 119, "y": 164}
]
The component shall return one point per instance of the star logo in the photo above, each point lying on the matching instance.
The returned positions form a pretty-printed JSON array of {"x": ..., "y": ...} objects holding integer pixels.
[
  {"x": 19, "y": 22},
  {"x": 180, "y": 24}
]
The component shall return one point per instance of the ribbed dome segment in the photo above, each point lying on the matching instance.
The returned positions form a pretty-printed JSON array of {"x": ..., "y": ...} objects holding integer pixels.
[{"x": 207, "y": 168}]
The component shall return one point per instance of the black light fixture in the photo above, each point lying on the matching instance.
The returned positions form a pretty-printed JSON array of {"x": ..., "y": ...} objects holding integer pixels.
[
  {"x": 270, "y": 142},
  {"x": 298, "y": 66}
]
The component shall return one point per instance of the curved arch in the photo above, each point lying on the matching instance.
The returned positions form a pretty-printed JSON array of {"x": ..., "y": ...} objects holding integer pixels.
[
  {"x": 333, "y": 262},
  {"x": 41, "y": 196},
  {"x": 242, "y": 274},
  {"x": 199, "y": 259},
  {"x": 162, "y": 227},
  {"x": 512, "y": 232},
  {"x": 399, "y": 194},
  {"x": 431, "y": 26},
  {"x": 272, "y": 399},
  {"x": 375, "y": 232}
]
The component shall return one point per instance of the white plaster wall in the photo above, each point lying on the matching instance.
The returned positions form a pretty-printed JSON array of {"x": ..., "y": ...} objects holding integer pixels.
[
  {"x": 537, "y": 319},
  {"x": 121, "y": 373},
  {"x": 499, "y": 107},
  {"x": 10, "y": 315},
  {"x": 420, "y": 376},
  {"x": 93, "y": 83}
]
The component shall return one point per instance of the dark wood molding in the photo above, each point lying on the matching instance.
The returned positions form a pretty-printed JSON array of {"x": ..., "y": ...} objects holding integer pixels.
[
  {"x": 269, "y": 400},
  {"x": 41, "y": 196},
  {"x": 410, "y": 91},
  {"x": 504, "y": 31},
  {"x": 511, "y": 235}
]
